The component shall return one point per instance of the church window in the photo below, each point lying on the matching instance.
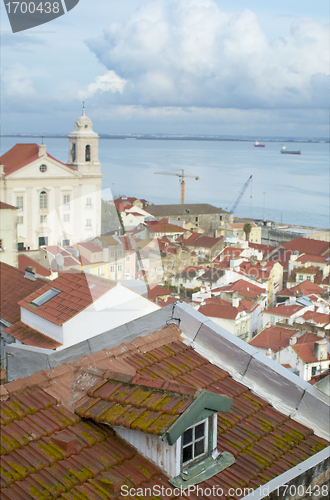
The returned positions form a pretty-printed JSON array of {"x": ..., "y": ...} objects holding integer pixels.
[
  {"x": 20, "y": 219},
  {"x": 43, "y": 218},
  {"x": 73, "y": 152},
  {"x": 88, "y": 223},
  {"x": 19, "y": 202},
  {"x": 20, "y": 246},
  {"x": 43, "y": 168},
  {"x": 66, "y": 217},
  {"x": 88, "y": 202},
  {"x": 43, "y": 200},
  {"x": 66, "y": 200},
  {"x": 66, "y": 243},
  {"x": 88, "y": 153}
]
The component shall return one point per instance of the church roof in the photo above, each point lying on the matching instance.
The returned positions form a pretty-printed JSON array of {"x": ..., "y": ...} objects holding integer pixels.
[{"x": 20, "y": 155}]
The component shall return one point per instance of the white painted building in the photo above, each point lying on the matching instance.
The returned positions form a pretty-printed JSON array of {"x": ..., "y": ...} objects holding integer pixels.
[
  {"x": 75, "y": 307},
  {"x": 57, "y": 203}
]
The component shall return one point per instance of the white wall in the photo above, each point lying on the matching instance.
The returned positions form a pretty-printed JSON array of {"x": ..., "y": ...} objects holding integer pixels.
[{"x": 117, "y": 307}]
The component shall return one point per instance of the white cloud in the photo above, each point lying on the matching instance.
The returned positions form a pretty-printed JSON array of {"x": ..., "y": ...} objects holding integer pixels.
[
  {"x": 109, "y": 82},
  {"x": 191, "y": 53}
]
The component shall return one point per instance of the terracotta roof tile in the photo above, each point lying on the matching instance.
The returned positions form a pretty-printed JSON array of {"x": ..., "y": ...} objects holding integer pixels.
[
  {"x": 30, "y": 336},
  {"x": 283, "y": 310},
  {"x": 264, "y": 441},
  {"x": 14, "y": 287},
  {"x": 75, "y": 296},
  {"x": 273, "y": 337}
]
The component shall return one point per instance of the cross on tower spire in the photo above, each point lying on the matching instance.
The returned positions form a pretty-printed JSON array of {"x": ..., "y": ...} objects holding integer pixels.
[{"x": 83, "y": 110}]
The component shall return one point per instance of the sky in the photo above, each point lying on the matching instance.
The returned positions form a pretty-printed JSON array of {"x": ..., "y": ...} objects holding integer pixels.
[{"x": 255, "y": 67}]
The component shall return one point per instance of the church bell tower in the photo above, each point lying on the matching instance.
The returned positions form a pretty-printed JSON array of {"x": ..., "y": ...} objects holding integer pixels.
[{"x": 83, "y": 147}]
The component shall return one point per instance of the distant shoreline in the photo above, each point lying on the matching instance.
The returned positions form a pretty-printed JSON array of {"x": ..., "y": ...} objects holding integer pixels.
[{"x": 167, "y": 137}]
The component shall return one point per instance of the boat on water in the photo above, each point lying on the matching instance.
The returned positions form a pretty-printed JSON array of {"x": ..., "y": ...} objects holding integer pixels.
[
  {"x": 286, "y": 152},
  {"x": 258, "y": 145}
]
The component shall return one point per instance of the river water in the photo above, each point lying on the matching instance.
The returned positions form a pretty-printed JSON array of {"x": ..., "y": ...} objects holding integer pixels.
[{"x": 289, "y": 188}]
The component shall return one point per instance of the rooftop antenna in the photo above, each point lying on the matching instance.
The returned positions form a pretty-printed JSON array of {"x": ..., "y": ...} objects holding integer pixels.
[{"x": 42, "y": 139}]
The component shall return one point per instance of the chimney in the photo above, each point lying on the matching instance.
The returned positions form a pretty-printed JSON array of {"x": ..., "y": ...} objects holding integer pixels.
[
  {"x": 235, "y": 300},
  {"x": 320, "y": 351},
  {"x": 30, "y": 273},
  {"x": 293, "y": 340},
  {"x": 42, "y": 150}
]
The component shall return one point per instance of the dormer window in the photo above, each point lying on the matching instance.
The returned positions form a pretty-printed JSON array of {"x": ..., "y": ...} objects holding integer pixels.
[
  {"x": 178, "y": 421},
  {"x": 195, "y": 443},
  {"x": 88, "y": 153}
]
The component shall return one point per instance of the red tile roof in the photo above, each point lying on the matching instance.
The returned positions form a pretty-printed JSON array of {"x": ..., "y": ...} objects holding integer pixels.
[
  {"x": 90, "y": 246},
  {"x": 202, "y": 241},
  {"x": 305, "y": 257},
  {"x": 48, "y": 448},
  {"x": 20, "y": 155},
  {"x": 14, "y": 287},
  {"x": 305, "y": 352},
  {"x": 30, "y": 336},
  {"x": 283, "y": 310},
  {"x": 317, "y": 317},
  {"x": 242, "y": 286},
  {"x": 75, "y": 296},
  {"x": 306, "y": 245},
  {"x": 5, "y": 206},
  {"x": 164, "y": 227},
  {"x": 274, "y": 337},
  {"x": 157, "y": 291},
  {"x": 307, "y": 287},
  {"x": 143, "y": 404},
  {"x": 213, "y": 310},
  {"x": 24, "y": 260},
  {"x": 259, "y": 270}
]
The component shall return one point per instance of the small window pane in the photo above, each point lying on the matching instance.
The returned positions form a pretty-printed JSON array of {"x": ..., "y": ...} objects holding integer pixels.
[
  {"x": 187, "y": 436},
  {"x": 199, "y": 431},
  {"x": 187, "y": 453},
  {"x": 199, "y": 448}
]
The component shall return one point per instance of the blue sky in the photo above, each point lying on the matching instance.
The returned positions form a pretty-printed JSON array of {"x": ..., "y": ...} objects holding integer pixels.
[{"x": 172, "y": 66}]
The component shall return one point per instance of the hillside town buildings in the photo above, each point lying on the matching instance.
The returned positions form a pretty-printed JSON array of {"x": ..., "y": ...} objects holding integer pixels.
[{"x": 174, "y": 349}]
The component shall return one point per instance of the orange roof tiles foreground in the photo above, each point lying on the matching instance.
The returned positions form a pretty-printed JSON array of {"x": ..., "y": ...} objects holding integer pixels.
[
  {"x": 143, "y": 404},
  {"x": 48, "y": 451},
  {"x": 77, "y": 291}
]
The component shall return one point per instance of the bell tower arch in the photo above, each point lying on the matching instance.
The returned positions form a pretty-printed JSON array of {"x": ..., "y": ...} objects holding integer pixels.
[{"x": 83, "y": 146}]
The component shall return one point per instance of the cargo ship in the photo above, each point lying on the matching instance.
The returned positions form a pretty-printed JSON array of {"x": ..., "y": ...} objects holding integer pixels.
[
  {"x": 258, "y": 145},
  {"x": 286, "y": 152}
]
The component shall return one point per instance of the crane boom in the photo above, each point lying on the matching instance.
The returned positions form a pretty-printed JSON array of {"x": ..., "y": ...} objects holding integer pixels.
[
  {"x": 182, "y": 178},
  {"x": 241, "y": 194}
]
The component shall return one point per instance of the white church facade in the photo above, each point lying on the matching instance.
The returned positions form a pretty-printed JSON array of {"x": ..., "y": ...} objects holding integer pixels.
[{"x": 57, "y": 203}]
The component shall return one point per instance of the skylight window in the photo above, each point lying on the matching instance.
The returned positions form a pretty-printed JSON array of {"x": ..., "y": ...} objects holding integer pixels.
[{"x": 45, "y": 297}]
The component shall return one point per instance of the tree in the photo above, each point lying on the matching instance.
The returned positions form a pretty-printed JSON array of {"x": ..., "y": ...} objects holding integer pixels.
[{"x": 247, "y": 230}]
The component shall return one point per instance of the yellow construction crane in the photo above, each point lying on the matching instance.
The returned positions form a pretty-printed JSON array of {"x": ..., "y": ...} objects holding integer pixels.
[{"x": 182, "y": 177}]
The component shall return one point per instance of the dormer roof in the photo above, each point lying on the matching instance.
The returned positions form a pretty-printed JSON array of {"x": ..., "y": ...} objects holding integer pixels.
[{"x": 153, "y": 406}]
